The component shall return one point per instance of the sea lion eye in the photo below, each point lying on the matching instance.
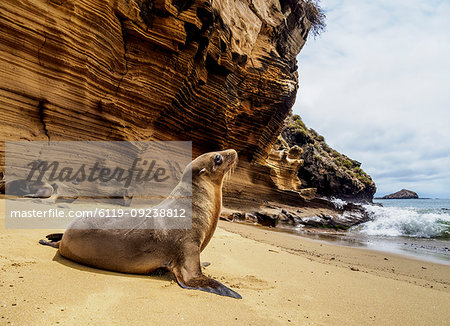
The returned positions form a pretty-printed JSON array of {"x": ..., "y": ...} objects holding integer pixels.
[{"x": 218, "y": 159}]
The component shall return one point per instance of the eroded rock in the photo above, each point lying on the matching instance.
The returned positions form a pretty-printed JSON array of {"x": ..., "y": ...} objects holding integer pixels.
[
  {"x": 332, "y": 173},
  {"x": 221, "y": 74}
]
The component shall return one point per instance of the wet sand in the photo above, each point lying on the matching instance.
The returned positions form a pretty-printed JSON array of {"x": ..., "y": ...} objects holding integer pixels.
[{"x": 434, "y": 250}]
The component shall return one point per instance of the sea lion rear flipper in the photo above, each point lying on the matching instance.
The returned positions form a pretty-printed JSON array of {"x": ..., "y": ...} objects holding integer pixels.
[
  {"x": 54, "y": 244},
  {"x": 54, "y": 240},
  {"x": 54, "y": 236}
]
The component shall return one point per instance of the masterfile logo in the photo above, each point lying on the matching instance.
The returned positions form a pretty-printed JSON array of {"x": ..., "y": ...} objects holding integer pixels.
[{"x": 114, "y": 179}]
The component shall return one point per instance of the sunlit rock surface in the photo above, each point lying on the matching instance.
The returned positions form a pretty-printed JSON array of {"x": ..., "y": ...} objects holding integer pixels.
[{"x": 222, "y": 74}]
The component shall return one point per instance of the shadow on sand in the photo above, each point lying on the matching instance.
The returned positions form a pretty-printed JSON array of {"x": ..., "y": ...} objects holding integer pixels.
[{"x": 160, "y": 274}]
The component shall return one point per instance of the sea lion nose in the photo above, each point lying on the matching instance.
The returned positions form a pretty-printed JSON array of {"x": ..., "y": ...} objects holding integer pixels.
[
  {"x": 233, "y": 153},
  {"x": 230, "y": 155}
]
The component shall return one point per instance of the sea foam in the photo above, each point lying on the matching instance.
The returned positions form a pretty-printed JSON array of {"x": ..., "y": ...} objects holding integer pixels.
[{"x": 406, "y": 221}]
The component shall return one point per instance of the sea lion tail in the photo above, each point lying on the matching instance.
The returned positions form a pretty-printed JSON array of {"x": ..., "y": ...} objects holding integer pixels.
[{"x": 55, "y": 239}]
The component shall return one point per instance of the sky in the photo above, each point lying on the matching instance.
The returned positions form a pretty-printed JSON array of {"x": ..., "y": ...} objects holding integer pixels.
[{"x": 376, "y": 85}]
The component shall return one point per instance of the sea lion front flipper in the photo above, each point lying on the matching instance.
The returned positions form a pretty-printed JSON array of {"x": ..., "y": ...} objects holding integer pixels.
[
  {"x": 207, "y": 284},
  {"x": 189, "y": 276}
]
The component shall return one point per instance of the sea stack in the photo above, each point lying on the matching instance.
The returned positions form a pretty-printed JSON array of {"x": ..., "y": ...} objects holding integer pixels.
[{"x": 402, "y": 194}]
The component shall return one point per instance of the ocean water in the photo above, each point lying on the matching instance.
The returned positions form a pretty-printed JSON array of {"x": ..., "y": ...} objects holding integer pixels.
[
  {"x": 416, "y": 218},
  {"x": 415, "y": 227},
  {"x": 419, "y": 228}
]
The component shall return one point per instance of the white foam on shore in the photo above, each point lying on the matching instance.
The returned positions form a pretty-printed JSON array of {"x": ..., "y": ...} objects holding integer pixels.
[{"x": 401, "y": 221}]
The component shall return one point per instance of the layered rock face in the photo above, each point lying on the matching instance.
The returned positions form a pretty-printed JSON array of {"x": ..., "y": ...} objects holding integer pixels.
[
  {"x": 221, "y": 74},
  {"x": 284, "y": 163},
  {"x": 332, "y": 173}
]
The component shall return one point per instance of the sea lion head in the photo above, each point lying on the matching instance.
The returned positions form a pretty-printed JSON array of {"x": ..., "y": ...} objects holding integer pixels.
[{"x": 214, "y": 166}]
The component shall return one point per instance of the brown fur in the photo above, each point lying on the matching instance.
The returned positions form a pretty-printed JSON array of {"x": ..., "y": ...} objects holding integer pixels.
[{"x": 141, "y": 251}]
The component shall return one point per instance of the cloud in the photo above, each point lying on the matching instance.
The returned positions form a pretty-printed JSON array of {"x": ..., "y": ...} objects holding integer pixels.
[{"x": 376, "y": 85}]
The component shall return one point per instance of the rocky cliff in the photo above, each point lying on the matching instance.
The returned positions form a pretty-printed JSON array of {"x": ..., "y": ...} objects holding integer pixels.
[
  {"x": 332, "y": 173},
  {"x": 222, "y": 74}
]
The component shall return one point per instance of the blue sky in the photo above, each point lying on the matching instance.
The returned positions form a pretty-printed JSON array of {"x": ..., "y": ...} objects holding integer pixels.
[{"x": 376, "y": 85}]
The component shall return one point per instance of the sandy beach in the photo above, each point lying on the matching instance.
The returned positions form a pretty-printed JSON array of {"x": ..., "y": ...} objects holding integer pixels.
[
  {"x": 283, "y": 279},
  {"x": 292, "y": 115}
]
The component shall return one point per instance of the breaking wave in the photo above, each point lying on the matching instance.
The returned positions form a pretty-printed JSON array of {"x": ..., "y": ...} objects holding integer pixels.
[{"x": 407, "y": 221}]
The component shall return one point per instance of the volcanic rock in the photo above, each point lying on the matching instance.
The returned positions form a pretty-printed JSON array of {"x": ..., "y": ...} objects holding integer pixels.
[
  {"x": 332, "y": 173},
  {"x": 402, "y": 194}
]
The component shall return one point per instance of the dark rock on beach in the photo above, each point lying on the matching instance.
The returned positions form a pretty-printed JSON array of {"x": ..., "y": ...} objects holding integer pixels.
[{"x": 320, "y": 213}]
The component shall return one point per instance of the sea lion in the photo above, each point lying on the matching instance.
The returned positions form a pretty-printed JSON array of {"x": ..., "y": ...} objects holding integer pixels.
[
  {"x": 29, "y": 189},
  {"x": 140, "y": 251}
]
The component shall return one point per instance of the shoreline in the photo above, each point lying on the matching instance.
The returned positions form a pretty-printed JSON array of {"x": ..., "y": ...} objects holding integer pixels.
[
  {"x": 410, "y": 247},
  {"x": 324, "y": 252},
  {"x": 283, "y": 279}
]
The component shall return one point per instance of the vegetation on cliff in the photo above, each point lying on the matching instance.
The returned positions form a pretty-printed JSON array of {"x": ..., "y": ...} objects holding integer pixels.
[
  {"x": 332, "y": 173},
  {"x": 316, "y": 15}
]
